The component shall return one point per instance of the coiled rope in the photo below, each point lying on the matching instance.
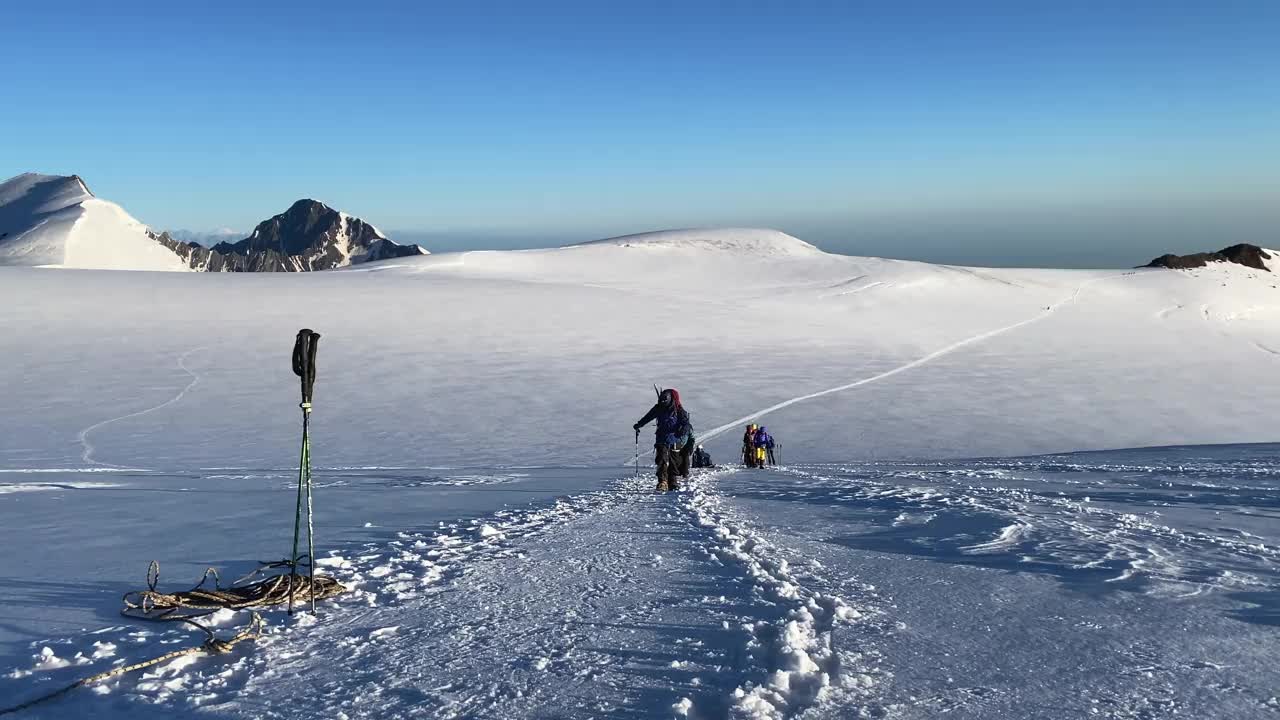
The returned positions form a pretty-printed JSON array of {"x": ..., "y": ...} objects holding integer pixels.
[{"x": 151, "y": 604}]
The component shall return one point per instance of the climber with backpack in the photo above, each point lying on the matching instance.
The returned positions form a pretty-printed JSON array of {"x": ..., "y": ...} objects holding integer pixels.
[
  {"x": 758, "y": 452},
  {"x": 764, "y": 441},
  {"x": 749, "y": 446},
  {"x": 673, "y": 438},
  {"x": 702, "y": 459}
]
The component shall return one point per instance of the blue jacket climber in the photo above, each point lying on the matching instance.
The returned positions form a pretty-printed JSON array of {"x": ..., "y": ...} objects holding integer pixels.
[
  {"x": 763, "y": 438},
  {"x": 674, "y": 426},
  {"x": 673, "y": 439}
]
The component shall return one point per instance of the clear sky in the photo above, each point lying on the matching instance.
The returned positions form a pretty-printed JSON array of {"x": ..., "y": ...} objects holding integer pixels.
[{"x": 1081, "y": 133}]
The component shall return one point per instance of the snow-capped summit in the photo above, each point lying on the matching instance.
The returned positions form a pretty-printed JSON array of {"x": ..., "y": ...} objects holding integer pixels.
[
  {"x": 308, "y": 236},
  {"x": 314, "y": 236},
  {"x": 55, "y": 221},
  {"x": 40, "y": 193},
  {"x": 751, "y": 241}
]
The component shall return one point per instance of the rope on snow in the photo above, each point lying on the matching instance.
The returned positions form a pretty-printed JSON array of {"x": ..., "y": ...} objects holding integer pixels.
[
  {"x": 199, "y": 601},
  {"x": 212, "y": 646},
  {"x": 151, "y": 604}
]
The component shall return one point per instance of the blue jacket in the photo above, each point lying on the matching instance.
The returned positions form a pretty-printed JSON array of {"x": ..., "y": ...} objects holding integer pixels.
[
  {"x": 763, "y": 439},
  {"x": 674, "y": 426}
]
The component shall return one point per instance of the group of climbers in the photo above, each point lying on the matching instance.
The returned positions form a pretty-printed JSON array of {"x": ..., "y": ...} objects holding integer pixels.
[
  {"x": 676, "y": 449},
  {"x": 757, "y": 447}
]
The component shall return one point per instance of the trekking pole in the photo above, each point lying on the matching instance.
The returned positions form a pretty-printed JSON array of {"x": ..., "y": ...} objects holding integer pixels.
[
  {"x": 637, "y": 453},
  {"x": 306, "y": 416},
  {"x": 304, "y": 366}
]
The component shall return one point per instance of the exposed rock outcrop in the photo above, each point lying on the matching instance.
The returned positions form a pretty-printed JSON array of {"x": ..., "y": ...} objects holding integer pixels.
[
  {"x": 308, "y": 236},
  {"x": 1243, "y": 254}
]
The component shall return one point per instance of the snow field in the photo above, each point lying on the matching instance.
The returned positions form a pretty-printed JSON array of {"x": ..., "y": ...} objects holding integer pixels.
[
  {"x": 700, "y": 605},
  {"x": 1129, "y": 588},
  {"x": 490, "y": 580}
]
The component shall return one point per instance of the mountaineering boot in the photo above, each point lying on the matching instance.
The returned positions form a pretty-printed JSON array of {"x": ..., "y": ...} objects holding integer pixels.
[
  {"x": 673, "y": 485},
  {"x": 666, "y": 469}
]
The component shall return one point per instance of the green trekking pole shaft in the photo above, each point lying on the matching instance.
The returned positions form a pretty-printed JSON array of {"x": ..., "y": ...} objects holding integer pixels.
[
  {"x": 297, "y": 516},
  {"x": 304, "y": 366},
  {"x": 311, "y": 534}
]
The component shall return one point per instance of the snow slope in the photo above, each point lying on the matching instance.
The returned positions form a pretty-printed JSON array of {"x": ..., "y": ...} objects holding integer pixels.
[
  {"x": 54, "y": 221},
  {"x": 744, "y": 241},
  {"x": 472, "y": 416},
  {"x": 850, "y": 357}
]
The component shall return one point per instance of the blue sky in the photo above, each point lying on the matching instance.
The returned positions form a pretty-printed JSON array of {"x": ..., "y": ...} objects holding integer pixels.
[{"x": 1078, "y": 133}]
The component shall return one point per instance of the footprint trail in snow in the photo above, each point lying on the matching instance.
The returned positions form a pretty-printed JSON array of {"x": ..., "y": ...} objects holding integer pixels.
[{"x": 620, "y": 602}]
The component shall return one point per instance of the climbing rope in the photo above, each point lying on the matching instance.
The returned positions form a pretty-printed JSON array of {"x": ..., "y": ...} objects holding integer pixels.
[
  {"x": 212, "y": 645},
  {"x": 199, "y": 601},
  {"x": 151, "y": 604},
  {"x": 247, "y": 592}
]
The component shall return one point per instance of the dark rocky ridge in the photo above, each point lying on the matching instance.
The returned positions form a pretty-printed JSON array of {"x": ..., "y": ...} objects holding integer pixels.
[
  {"x": 308, "y": 236},
  {"x": 1243, "y": 254}
]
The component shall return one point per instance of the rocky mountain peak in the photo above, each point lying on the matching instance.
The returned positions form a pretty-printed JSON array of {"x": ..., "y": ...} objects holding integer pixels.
[
  {"x": 1243, "y": 254},
  {"x": 306, "y": 237}
]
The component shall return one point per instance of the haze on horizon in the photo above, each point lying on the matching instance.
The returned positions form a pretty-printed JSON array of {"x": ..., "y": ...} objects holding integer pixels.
[{"x": 998, "y": 133}]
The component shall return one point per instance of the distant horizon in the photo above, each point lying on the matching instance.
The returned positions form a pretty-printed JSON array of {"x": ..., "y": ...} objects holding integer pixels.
[
  {"x": 1083, "y": 238},
  {"x": 988, "y": 247},
  {"x": 1095, "y": 254},
  {"x": 1089, "y": 236},
  {"x": 997, "y": 133}
]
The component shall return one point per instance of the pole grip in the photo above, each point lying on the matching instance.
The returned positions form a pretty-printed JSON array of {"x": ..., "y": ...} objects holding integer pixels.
[
  {"x": 304, "y": 361},
  {"x": 312, "y": 347}
]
